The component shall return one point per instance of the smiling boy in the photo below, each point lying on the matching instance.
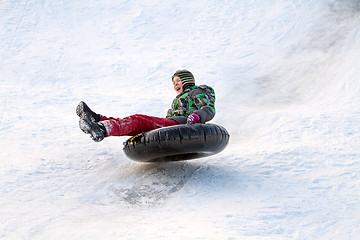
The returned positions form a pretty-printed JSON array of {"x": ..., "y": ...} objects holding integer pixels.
[{"x": 193, "y": 104}]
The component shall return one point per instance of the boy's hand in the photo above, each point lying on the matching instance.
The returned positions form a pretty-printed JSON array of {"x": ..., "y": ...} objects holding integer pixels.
[{"x": 193, "y": 118}]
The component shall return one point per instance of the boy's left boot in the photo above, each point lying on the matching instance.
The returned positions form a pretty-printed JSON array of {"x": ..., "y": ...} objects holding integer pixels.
[{"x": 96, "y": 130}]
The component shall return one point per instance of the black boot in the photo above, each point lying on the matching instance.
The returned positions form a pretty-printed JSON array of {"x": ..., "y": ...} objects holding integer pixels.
[
  {"x": 88, "y": 122},
  {"x": 83, "y": 111},
  {"x": 96, "y": 130}
]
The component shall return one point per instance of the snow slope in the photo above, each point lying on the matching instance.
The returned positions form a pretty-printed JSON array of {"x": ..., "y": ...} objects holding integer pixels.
[{"x": 286, "y": 76}]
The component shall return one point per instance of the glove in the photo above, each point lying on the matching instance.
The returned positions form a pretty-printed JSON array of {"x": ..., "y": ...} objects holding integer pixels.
[{"x": 193, "y": 118}]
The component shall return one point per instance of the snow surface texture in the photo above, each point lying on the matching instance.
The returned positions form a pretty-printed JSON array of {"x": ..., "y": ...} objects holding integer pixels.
[{"x": 286, "y": 76}]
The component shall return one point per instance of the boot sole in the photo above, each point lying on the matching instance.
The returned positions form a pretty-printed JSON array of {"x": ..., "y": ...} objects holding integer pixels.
[{"x": 80, "y": 108}]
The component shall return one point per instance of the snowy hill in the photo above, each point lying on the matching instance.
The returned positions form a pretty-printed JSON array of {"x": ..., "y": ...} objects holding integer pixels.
[{"x": 286, "y": 77}]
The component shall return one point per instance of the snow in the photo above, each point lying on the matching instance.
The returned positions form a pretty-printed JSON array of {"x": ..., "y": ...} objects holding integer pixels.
[{"x": 287, "y": 86}]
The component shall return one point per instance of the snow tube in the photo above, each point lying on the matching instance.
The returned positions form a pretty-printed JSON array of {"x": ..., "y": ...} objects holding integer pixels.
[{"x": 177, "y": 143}]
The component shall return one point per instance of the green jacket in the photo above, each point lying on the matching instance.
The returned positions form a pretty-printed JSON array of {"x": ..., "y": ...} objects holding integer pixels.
[{"x": 196, "y": 99}]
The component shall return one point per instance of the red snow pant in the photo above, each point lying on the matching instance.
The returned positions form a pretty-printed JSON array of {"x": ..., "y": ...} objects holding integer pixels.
[{"x": 134, "y": 124}]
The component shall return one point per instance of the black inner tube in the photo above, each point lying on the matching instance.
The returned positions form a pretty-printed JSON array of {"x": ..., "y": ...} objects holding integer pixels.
[{"x": 177, "y": 143}]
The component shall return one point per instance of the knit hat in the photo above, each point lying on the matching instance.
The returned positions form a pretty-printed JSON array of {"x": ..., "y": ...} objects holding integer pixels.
[{"x": 186, "y": 77}]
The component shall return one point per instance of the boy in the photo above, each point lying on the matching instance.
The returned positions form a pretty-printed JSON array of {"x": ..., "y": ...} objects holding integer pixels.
[{"x": 193, "y": 104}]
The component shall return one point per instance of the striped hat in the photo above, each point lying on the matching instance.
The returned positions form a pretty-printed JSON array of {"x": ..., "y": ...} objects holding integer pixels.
[{"x": 186, "y": 78}]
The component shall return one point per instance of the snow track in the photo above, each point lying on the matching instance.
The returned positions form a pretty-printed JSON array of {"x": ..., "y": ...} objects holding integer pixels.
[{"x": 287, "y": 84}]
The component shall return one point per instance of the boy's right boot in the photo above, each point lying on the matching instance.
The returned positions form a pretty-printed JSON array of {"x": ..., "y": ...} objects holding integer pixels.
[
  {"x": 83, "y": 111},
  {"x": 88, "y": 122}
]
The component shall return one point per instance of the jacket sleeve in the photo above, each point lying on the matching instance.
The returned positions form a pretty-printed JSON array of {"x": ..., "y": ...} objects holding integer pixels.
[{"x": 205, "y": 103}]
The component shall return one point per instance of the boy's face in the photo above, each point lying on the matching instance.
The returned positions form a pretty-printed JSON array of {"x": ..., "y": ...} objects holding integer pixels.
[{"x": 178, "y": 87}]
